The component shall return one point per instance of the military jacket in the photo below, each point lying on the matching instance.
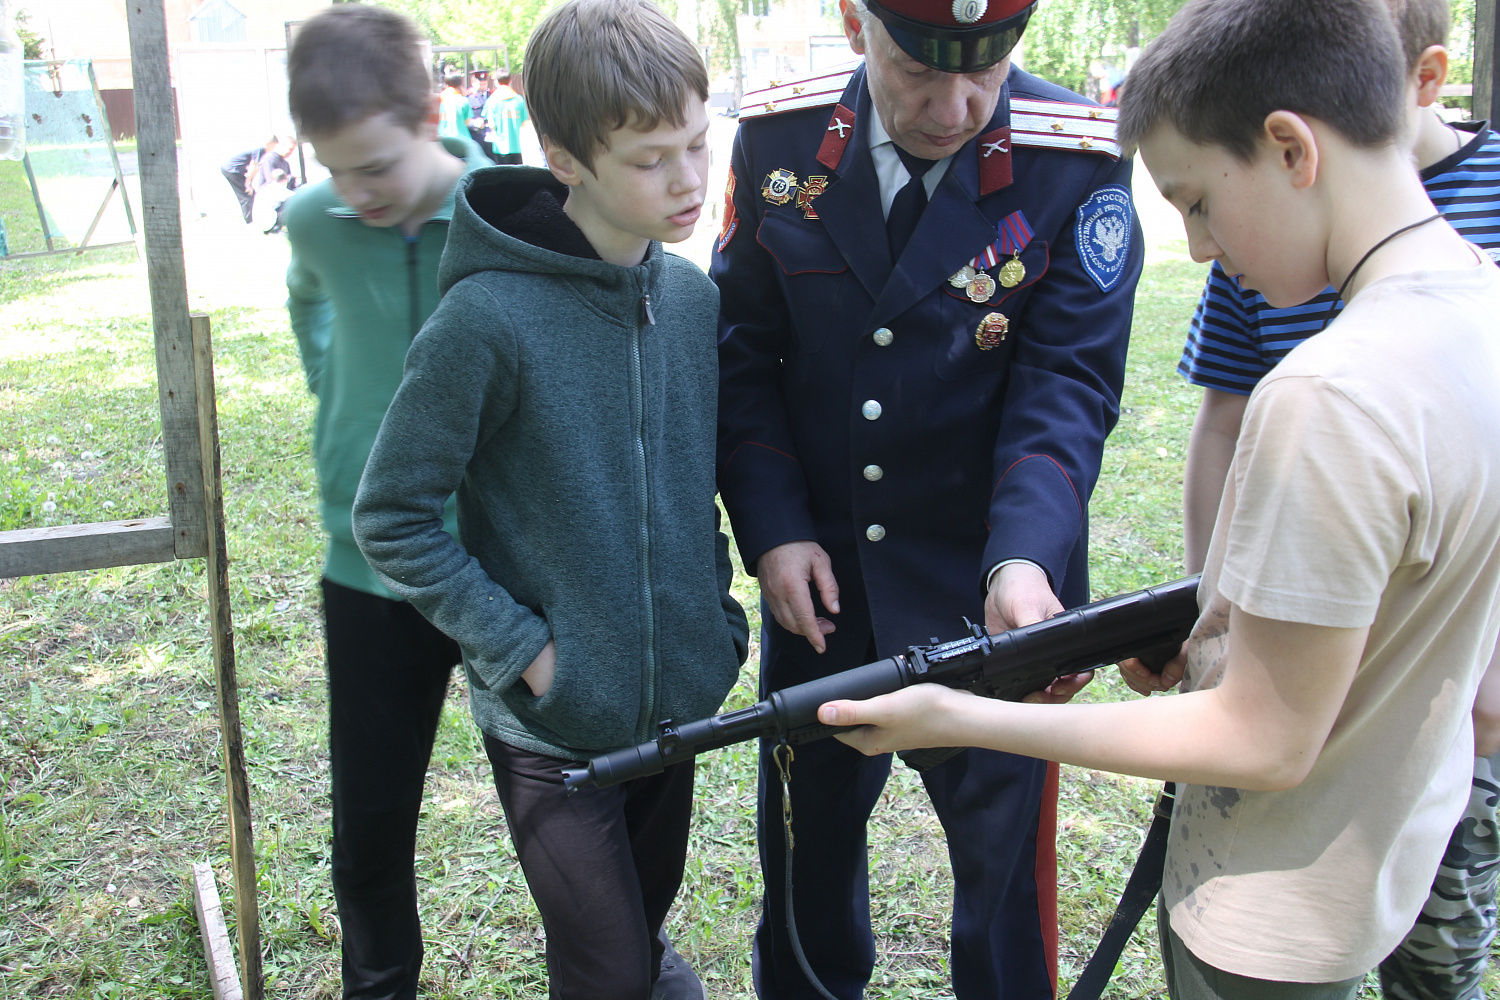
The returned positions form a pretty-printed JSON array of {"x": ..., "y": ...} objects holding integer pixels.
[{"x": 918, "y": 430}]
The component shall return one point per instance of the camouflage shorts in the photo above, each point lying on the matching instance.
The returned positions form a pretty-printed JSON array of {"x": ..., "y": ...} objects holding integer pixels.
[{"x": 1444, "y": 956}]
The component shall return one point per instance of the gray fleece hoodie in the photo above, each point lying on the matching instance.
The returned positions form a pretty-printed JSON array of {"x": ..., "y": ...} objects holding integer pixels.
[{"x": 570, "y": 404}]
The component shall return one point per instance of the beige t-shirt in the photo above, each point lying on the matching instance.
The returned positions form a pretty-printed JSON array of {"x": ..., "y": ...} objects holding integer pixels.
[{"x": 1365, "y": 491}]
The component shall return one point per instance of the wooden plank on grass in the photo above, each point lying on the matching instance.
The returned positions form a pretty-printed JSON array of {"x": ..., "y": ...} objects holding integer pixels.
[
  {"x": 66, "y": 547},
  {"x": 161, "y": 221},
  {"x": 216, "y": 949},
  {"x": 221, "y": 621}
]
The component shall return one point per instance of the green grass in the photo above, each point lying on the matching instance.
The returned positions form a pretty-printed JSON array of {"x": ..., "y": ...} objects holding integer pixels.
[
  {"x": 23, "y": 233},
  {"x": 110, "y": 782}
]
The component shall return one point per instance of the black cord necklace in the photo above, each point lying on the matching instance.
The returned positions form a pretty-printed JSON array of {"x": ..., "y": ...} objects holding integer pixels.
[{"x": 1333, "y": 306}]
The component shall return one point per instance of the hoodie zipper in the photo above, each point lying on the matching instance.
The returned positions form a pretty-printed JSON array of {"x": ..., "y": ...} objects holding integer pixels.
[{"x": 638, "y": 387}]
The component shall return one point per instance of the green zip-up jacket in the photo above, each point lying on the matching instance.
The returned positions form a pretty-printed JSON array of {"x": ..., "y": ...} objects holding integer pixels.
[
  {"x": 357, "y": 295},
  {"x": 570, "y": 403}
]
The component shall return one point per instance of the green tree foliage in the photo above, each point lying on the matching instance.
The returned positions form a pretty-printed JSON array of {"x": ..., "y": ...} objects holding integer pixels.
[
  {"x": 477, "y": 22},
  {"x": 31, "y": 42},
  {"x": 1461, "y": 45},
  {"x": 1065, "y": 37}
]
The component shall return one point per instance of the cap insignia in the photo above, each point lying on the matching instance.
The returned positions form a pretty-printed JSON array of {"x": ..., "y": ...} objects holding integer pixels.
[{"x": 969, "y": 11}]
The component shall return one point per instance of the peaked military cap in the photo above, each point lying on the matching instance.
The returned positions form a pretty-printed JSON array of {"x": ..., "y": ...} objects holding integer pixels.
[{"x": 954, "y": 36}]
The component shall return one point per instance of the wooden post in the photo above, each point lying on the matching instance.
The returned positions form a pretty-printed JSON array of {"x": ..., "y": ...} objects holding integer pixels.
[
  {"x": 161, "y": 221},
  {"x": 1486, "y": 47},
  {"x": 241, "y": 839}
]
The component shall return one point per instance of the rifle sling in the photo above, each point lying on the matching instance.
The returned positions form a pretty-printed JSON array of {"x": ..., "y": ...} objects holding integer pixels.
[{"x": 1140, "y": 891}]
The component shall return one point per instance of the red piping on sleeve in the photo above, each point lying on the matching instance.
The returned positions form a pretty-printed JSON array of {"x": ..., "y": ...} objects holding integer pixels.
[{"x": 1066, "y": 477}]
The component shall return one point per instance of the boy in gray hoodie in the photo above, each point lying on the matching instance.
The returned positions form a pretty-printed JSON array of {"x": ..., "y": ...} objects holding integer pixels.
[{"x": 565, "y": 390}]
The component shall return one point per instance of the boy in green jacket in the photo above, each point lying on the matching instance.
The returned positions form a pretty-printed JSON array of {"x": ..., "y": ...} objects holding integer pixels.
[
  {"x": 566, "y": 390},
  {"x": 363, "y": 278}
]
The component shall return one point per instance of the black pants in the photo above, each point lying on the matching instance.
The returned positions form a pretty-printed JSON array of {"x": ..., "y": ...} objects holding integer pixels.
[
  {"x": 236, "y": 181},
  {"x": 603, "y": 865},
  {"x": 388, "y": 671}
]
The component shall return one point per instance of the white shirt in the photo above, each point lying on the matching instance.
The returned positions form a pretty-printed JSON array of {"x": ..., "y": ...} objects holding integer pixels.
[{"x": 891, "y": 172}]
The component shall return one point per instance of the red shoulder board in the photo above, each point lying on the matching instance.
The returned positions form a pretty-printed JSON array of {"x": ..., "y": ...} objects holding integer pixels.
[
  {"x": 994, "y": 161},
  {"x": 840, "y": 129},
  {"x": 1082, "y": 128},
  {"x": 793, "y": 95}
]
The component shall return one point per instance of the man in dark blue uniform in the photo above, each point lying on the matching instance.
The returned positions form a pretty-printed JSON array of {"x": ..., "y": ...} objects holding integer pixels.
[{"x": 927, "y": 269}]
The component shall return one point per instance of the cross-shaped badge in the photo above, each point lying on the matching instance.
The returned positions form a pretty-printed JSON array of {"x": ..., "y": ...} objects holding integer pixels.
[
  {"x": 998, "y": 146},
  {"x": 840, "y": 126}
]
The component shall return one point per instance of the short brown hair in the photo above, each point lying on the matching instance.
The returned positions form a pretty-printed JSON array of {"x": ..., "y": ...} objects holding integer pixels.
[
  {"x": 1222, "y": 66},
  {"x": 1423, "y": 24},
  {"x": 593, "y": 66},
  {"x": 351, "y": 61}
]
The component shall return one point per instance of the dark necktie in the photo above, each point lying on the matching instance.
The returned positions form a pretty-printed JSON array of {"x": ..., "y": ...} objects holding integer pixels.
[{"x": 907, "y": 206}]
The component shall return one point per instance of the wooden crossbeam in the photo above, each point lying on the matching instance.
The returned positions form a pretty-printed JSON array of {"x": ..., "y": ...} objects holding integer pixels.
[{"x": 64, "y": 548}]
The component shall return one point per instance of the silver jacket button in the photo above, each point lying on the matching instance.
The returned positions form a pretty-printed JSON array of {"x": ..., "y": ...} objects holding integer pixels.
[
  {"x": 873, "y": 472},
  {"x": 875, "y": 532},
  {"x": 871, "y": 409},
  {"x": 883, "y": 337}
]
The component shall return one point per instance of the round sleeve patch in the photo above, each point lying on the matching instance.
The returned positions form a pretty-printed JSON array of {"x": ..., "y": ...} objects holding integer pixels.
[{"x": 1103, "y": 235}]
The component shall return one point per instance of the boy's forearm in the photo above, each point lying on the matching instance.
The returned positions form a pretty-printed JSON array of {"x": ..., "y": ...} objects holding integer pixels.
[
  {"x": 1261, "y": 729},
  {"x": 1210, "y": 453},
  {"x": 310, "y": 313}
]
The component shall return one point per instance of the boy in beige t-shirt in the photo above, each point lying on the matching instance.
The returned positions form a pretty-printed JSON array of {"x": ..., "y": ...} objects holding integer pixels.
[{"x": 1351, "y": 600}]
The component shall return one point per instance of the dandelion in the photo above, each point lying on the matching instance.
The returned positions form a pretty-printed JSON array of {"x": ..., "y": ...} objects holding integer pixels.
[
  {"x": 88, "y": 428},
  {"x": 59, "y": 466},
  {"x": 87, "y": 456},
  {"x": 49, "y": 506},
  {"x": 53, "y": 439},
  {"x": 108, "y": 505}
]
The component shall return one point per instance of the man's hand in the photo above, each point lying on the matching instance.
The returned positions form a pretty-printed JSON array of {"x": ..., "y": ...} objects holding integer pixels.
[
  {"x": 785, "y": 573},
  {"x": 538, "y": 676},
  {"x": 917, "y": 716},
  {"x": 1141, "y": 680},
  {"x": 1020, "y": 595}
]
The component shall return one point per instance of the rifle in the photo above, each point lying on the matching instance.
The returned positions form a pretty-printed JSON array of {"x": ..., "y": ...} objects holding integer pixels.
[{"x": 1150, "y": 624}]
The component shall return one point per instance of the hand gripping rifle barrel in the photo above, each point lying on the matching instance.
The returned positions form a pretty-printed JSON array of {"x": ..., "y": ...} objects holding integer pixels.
[{"x": 1150, "y": 624}]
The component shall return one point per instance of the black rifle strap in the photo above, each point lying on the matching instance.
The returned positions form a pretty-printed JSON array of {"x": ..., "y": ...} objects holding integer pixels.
[
  {"x": 1140, "y": 891},
  {"x": 784, "y": 756}
]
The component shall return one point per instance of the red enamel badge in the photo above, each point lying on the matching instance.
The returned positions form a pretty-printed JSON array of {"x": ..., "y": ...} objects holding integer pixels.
[
  {"x": 994, "y": 161},
  {"x": 840, "y": 131}
]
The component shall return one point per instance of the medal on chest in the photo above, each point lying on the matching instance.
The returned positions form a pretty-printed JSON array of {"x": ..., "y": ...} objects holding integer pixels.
[
  {"x": 779, "y": 186},
  {"x": 974, "y": 277},
  {"x": 991, "y": 331}
]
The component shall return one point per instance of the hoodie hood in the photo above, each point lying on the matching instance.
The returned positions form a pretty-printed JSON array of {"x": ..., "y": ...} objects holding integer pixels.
[{"x": 491, "y": 201}]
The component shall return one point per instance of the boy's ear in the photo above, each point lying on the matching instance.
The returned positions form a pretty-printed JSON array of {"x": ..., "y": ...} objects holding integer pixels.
[
  {"x": 854, "y": 29},
  {"x": 563, "y": 164},
  {"x": 1295, "y": 146},
  {"x": 1430, "y": 75}
]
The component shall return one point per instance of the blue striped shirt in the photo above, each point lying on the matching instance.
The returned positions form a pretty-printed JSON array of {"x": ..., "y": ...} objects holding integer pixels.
[{"x": 1236, "y": 336}]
